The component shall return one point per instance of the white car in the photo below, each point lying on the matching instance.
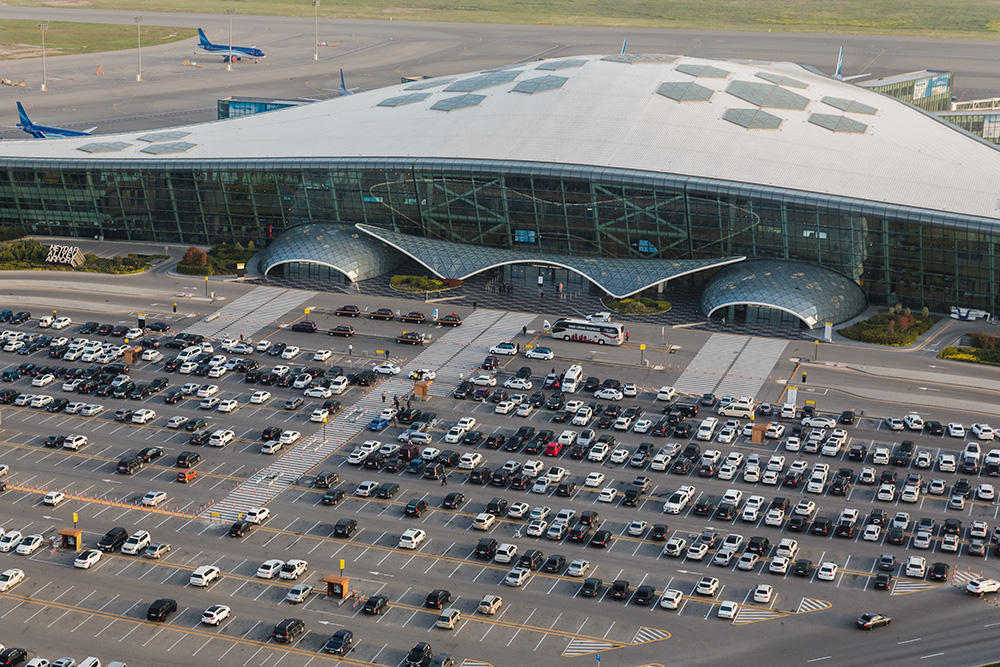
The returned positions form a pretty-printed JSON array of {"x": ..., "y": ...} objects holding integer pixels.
[
  {"x": 671, "y": 598},
  {"x": 412, "y": 538},
  {"x": 207, "y": 390},
  {"x": 221, "y": 438},
  {"x": 986, "y": 492},
  {"x": 818, "y": 421},
  {"x": 509, "y": 349},
  {"x": 666, "y": 393},
  {"x": 778, "y": 565},
  {"x": 537, "y": 528},
  {"x": 152, "y": 355},
  {"x": 827, "y": 571},
  {"x": 10, "y": 578},
  {"x": 322, "y": 355},
  {"x": 894, "y": 423},
  {"x": 578, "y": 568},
  {"x": 289, "y": 437},
  {"x": 518, "y": 510},
  {"x": 153, "y": 498},
  {"x": 483, "y": 521},
  {"x": 259, "y": 397},
  {"x": 216, "y": 614},
  {"x": 61, "y": 322},
  {"x": 983, "y": 431},
  {"x": 53, "y": 498},
  {"x": 290, "y": 352},
  {"x": 87, "y": 559},
  {"x": 263, "y": 345},
  {"x": 318, "y": 392},
  {"x": 257, "y": 515},
  {"x": 228, "y": 405},
  {"x": 764, "y": 593},
  {"x": 518, "y": 383},
  {"x": 728, "y": 609},
  {"x": 269, "y": 569},
  {"x": 319, "y": 415},
  {"x": 504, "y": 407},
  {"x": 136, "y": 542},
  {"x": 41, "y": 400},
  {"x": 43, "y": 380},
  {"x": 637, "y": 528},
  {"x": 607, "y": 495},
  {"x": 543, "y": 353},
  {"x": 455, "y": 434},
  {"x": 872, "y": 532},
  {"x": 484, "y": 381},
  {"x": 386, "y": 368},
  {"x": 594, "y": 479},
  {"x": 620, "y": 455},
  {"x": 470, "y": 461},
  {"x": 517, "y": 577},
  {"x": 956, "y": 430},
  {"x": 726, "y": 435},
  {"x": 609, "y": 394},
  {"x": 947, "y": 463},
  {"x": 642, "y": 426},
  {"x": 143, "y": 416},
  {"x": 29, "y": 545},
  {"x": 292, "y": 569}
]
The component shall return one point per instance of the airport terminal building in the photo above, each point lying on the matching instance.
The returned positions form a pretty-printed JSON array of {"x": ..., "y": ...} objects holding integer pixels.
[{"x": 771, "y": 185}]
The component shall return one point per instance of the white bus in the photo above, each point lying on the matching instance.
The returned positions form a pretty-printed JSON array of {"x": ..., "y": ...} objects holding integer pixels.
[{"x": 602, "y": 333}]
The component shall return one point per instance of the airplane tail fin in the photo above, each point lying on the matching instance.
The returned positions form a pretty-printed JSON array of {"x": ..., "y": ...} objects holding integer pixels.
[
  {"x": 202, "y": 39},
  {"x": 624, "y": 45},
  {"x": 343, "y": 87},
  {"x": 839, "y": 73},
  {"x": 23, "y": 115}
]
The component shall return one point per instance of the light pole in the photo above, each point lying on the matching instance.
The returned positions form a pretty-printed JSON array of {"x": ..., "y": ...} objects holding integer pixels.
[
  {"x": 42, "y": 27},
  {"x": 229, "y": 60},
  {"x": 316, "y": 30},
  {"x": 138, "y": 46}
]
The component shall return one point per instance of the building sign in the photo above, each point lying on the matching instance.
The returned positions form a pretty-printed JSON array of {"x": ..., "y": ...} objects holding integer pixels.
[
  {"x": 524, "y": 236},
  {"x": 65, "y": 254}
]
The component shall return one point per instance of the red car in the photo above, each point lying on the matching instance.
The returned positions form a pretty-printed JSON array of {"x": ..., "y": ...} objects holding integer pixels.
[{"x": 554, "y": 448}]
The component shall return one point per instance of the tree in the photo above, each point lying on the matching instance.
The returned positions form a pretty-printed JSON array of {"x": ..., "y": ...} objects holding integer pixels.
[
  {"x": 191, "y": 256},
  {"x": 251, "y": 246}
]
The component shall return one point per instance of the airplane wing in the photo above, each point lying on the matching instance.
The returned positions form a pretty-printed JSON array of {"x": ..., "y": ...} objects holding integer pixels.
[{"x": 37, "y": 134}]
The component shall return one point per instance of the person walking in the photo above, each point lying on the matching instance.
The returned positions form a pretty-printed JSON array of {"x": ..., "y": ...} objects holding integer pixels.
[
  {"x": 626, "y": 336},
  {"x": 383, "y": 397},
  {"x": 350, "y": 350},
  {"x": 444, "y": 479},
  {"x": 524, "y": 330}
]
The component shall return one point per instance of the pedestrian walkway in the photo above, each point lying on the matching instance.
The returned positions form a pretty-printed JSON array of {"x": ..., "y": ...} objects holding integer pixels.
[
  {"x": 250, "y": 313},
  {"x": 446, "y": 356},
  {"x": 647, "y": 634},
  {"x": 904, "y": 586},
  {"x": 578, "y": 647},
  {"x": 752, "y": 368},
  {"x": 962, "y": 577},
  {"x": 710, "y": 364}
]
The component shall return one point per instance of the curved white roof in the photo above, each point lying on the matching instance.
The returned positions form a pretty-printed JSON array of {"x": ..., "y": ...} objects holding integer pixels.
[{"x": 813, "y": 133}]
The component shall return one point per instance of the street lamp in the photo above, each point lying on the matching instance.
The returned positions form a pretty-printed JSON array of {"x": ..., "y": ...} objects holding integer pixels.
[
  {"x": 138, "y": 46},
  {"x": 42, "y": 27},
  {"x": 229, "y": 60},
  {"x": 316, "y": 30}
]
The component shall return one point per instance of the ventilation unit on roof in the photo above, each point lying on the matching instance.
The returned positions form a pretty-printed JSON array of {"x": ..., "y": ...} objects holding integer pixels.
[
  {"x": 480, "y": 81},
  {"x": 460, "y": 102},
  {"x": 685, "y": 91},
  {"x": 752, "y": 119},
  {"x": 104, "y": 147},
  {"x": 767, "y": 95},
  {"x": 163, "y": 149},
  {"x": 703, "y": 70},
  {"x": 403, "y": 100},
  {"x": 849, "y": 106},
  {"x": 836, "y": 123},
  {"x": 542, "y": 83},
  {"x": 164, "y": 136}
]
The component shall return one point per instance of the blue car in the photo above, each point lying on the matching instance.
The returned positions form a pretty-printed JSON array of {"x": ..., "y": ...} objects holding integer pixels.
[{"x": 378, "y": 424}]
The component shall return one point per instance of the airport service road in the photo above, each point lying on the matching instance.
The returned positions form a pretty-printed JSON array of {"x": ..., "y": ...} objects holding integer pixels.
[{"x": 377, "y": 53}]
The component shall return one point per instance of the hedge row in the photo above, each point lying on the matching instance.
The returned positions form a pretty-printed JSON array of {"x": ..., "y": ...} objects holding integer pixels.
[{"x": 897, "y": 330}]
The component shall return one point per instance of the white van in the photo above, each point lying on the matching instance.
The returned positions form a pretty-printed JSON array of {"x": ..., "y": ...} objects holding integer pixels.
[
  {"x": 787, "y": 411},
  {"x": 572, "y": 379},
  {"x": 707, "y": 428},
  {"x": 449, "y": 618},
  {"x": 189, "y": 353},
  {"x": 45, "y": 321},
  {"x": 742, "y": 408}
]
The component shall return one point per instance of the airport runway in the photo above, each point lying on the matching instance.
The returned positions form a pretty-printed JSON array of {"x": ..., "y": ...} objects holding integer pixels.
[{"x": 377, "y": 53}]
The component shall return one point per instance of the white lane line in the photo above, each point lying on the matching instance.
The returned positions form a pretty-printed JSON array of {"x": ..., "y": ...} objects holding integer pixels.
[
  {"x": 825, "y": 657},
  {"x": 909, "y": 641}
]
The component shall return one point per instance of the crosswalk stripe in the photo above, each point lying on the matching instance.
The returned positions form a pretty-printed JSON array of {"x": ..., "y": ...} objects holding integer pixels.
[
  {"x": 469, "y": 662},
  {"x": 902, "y": 586},
  {"x": 962, "y": 577},
  {"x": 646, "y": 634},
  {"x": 579, "y": 647},
  {"x": 812, "y": 604},
  {"x": 753, "y": 614}
]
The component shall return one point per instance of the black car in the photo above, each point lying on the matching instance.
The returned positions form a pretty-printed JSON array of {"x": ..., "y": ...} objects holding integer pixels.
[
  {"x": 287, "y": 630},
  {"x": 602, "y": 539},
  {"x": 591, "y": 587},
  {"x": 847, "y": 417},
  {"x": 437, "y": 599},
  {"x": 332, "y": 497},
  {"x": 531, "y": 559},
  {"x": 200, "y": 438},
  {"x": 802, "y": 567},
  {"x": 619, "y": 590},
  {"x": 883, "y": 581},
  {"x": 896, "y": 536},
  {"x": 939, "y": 572},
  {"x": 340, "y": 643},
  {"x": 495, "y": 441},
  {"x": 14, "y": 655},
  {"x": 486, "y": 549},
  {"x": 187, "y": 459},
  {"x": 566, "y": 489},
  {"x": 129, "y": 466},
  {"x": 580, "y": 533},
  {"x": 345, "y": 528},
  {"x": 644, "y": 595},
  {"x": 554, "y": 564},
  {"x": 150, "y": 454},
  {"x": 658, "y": 533},
  {"x": 413, "y": 317},
  {"x": 304, "y": 326},
  {"x": 934, "y": 427},
  {"x": 797, "y": 523},
  {"x": 113, "y": 539},
  {"x": 822, "y": 526},
  {"x": 419, "y": 656},
  {"x": 161, "y": 609},
  {"x": 682, "y": 430},
  {"x": 240, "y": 528},
  {"x": 415, "y": 507},
  {"x": 375, "y": 605},
  {"x": 387, "y": 490}
]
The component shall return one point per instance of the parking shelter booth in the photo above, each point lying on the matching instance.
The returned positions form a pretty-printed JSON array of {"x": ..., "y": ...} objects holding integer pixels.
[
  {"x": 421, "y": 389},
  {"x": 72, "y": 538},
  {"x": 337, "y": 586}
]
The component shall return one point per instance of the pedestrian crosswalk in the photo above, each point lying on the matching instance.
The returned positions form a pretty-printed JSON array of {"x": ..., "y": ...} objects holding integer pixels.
[
  {"x": 250, "y": 313},
  {"x": 750, "y": 614},
  {"x": 752, "y": 368},
  {"x": 647, "y": 634},
  {"x": 904, "y": 586},
  {"x": 710, "y": 364},
  {"x": 267, "y": 483},
  {"x": 807, "y": 605},
  {"x": 578, "y": 647},
  {"x": 962, "y": 577}
]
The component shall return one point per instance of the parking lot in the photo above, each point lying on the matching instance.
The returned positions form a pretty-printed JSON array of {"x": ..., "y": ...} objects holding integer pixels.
[{"x": 110, "y": 600}]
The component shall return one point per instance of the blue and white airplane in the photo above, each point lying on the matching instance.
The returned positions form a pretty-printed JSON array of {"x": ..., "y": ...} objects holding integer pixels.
[
  {"x": 44, "y": 131},
  {"x": 237, "y": 51},
  {"x": 838, "y": 74}
]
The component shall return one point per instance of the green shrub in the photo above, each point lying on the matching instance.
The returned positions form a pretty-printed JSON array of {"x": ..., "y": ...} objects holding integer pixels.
[
  {"x": 895, "y": 328},
  {"x": 422, "y": 283},
  {"x": 195, "y": 270},
  {"x": 641, "y": 305}
]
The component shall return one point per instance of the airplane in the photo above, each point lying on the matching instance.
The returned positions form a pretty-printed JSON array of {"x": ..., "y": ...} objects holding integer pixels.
[
  {"x": 45, "y": 132},
  {"x": 237, "y": 51},
  {"x": 343, "y": 87},
  {"x": 839, "y": 74}
]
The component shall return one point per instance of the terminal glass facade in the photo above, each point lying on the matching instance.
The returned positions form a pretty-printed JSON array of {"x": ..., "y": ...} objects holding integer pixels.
[
  {"x": 982, "y": 124},
  {"x": 896, "y": 254},
  {"x": 930, "y": 91}
]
